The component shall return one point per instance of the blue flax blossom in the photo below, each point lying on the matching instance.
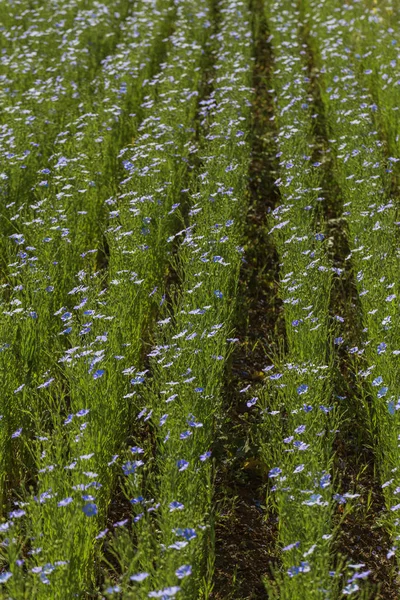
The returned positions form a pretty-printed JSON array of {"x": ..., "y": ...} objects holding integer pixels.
[
  {"x": 16, "y": 514},
  {"x": 291, "y": 546},
  {"x": 131, "y": 465},
  {"x": 178, "y": 545},
  {"x": 137, "y": 450},
  {"x": 251, "y": 402},
  {"x": 166, "y": 593},
  {"x": 302, "y": 389},
  {"x": 120, "y": 523},
  {"x": 325, "y": 481},
  {"x": 183, "y": 571},
  {"x": 45, "y": 384},
  {"x": 304, "y": 567},
  {"x": 381, "y": 348},
  {"x": 139, "y": 576},
  {"x": 315, "y": 499},
  {"x": 182, "y": 464},
  {"x": 65, "y": 501},
  {"x": 300, "y": 429},
  {"x": 188, "y": 533},
  {"x": 82, "y": 413},
  {"x": 351, "y": 588},
  {"x": 175, "y": 505},
  {"x": 102, "y": 534},
  {"x": 137, "y": 500},
  {"x": 357, "y": 575},
  {"x": 205, "y": 456},
  {"x": 274, "y": 472}
]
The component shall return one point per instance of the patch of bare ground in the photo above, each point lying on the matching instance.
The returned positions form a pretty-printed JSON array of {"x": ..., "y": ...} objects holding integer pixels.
[{"x": 244, "y": 535}]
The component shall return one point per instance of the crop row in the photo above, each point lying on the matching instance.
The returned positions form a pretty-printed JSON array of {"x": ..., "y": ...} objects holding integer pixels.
[
  {"x": 89, "y": 276},
  {"x": 299, "y": 419},
  {"x": 364, "y": 179}
]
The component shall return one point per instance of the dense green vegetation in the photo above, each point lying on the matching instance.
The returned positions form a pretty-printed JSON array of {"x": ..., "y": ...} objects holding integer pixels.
[{"x": 130, "y": 136}]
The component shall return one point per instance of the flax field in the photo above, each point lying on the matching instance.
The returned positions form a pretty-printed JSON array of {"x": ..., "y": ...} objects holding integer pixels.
[{"x": 199, "y": 299}]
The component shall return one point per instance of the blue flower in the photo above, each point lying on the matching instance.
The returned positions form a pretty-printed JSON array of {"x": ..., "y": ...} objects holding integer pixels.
[
  {"x": 339, "y": 499},
  {"x": 113, "y": 589},
  {"x": 313, "y": 500},
  {"x": 188, "y": 533},
  {"x": 291, "y": 546},
  {"x": 274, "y": 472},
  {"x": 163, "y": 420},
  {"x": 101, "y": 534},
  {"x": 17, "y": 514},
  {"x": 166, "y": 593},
  {"x": 130, "y": 466},
  {"x": 183, "y": 571},
  {"x": 98, "y": 373},
  {"x": 299, "y": 469},
  {"x": 300, "y": 429},
  {"x": 302, "y": 389},
  {"x": 382, "y": 392},
  {"x": 381, "y": 348},
  {"x": 350, "y": 589},
  {"x": 65, "y": 501},
  {"x": 90, "y": 509},
  {"x": 83, "y": 412},
  {"x": 46, "y": 383},
  {"x": 175, "y": 505},
  {"x": 139, "y": 576},
  {"x": 205, "y": 456},
  {"x": 325, "y": 481},
  {"x": 137, "y": 450},
  {"x": 275, "y": 376},
  {"x": 120, "y": 523},
  {"x": 303, "y": 568},
  {"x": 137, "y": 380},
  {"x": 137, "y": 500},
  {"x": 182, "y": 464}
]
